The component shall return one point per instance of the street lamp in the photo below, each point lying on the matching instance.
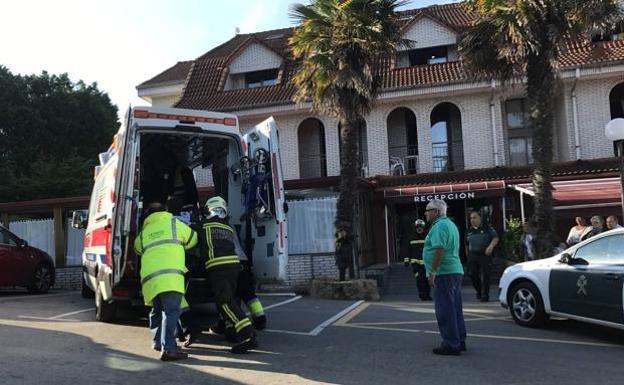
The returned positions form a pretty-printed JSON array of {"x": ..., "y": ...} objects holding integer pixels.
[{"x": 615, "y": 131}]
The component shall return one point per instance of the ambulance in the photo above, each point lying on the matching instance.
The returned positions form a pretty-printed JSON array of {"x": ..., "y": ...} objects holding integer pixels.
[{"x": 157, "y": 155}]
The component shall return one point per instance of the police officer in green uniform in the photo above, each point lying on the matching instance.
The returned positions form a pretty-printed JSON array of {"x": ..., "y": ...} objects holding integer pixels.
[
  {"x": 161, "y": 243},
  {"x": 415, "y": 259},
  {"x": 223, "y": 267},
  {"x": 481, "y": 239}
]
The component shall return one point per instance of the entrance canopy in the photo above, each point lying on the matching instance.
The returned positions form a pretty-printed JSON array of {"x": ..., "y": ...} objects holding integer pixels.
[
  {"x": 580, "y": 192},
  {"x": 455, "y": 191}
]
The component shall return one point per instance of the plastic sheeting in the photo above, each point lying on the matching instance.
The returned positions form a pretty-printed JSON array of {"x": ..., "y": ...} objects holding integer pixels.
[{"x": 311, "y": 226}]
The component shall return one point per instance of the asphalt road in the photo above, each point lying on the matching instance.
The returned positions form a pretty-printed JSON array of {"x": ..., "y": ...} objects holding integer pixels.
[{"x": 53, "y": 339}]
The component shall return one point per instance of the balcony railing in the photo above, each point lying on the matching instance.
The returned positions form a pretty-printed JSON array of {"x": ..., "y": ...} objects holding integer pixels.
[
  {"x": 312, "y": 166},
  {"x": 403, "y": 160},
  {"x": 448, "y": 157}
]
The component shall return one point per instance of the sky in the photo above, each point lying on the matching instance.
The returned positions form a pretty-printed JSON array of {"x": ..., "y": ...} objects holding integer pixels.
[{"x": 120, "y": 44}]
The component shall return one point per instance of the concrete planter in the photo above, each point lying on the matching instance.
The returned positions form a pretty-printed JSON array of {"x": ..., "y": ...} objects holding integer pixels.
[{"x": 364, "y": 289}]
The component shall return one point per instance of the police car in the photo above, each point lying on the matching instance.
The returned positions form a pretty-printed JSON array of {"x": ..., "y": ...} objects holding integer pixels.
[{"x": 584, "y": 283}]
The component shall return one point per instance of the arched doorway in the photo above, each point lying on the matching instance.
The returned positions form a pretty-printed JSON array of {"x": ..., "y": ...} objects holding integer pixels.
[
  {"x": 616, "y": 104},
  {"x": 446, "y": 138},
  {"x": 311, "y": 142},
  {"x": 402, "y": 142}
]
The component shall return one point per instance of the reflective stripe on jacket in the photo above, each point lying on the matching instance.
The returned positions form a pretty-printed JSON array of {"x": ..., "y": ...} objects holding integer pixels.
[{"x": 161, "y": 244}]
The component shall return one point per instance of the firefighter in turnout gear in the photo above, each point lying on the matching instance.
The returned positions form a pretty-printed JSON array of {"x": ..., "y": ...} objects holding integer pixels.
[
  {"x": 161, "y": 243},
  {"x": 223, "y": 266},
  {"x": 415, "y": 259}
]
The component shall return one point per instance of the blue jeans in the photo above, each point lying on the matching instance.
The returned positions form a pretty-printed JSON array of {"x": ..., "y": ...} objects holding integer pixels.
[
  {"x": 448, "y": 309},
  {"x": 164, "y": 317}
]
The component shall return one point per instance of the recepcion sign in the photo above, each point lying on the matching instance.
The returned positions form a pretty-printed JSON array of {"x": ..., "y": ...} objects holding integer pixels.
[{"x": 451, "y": 196}]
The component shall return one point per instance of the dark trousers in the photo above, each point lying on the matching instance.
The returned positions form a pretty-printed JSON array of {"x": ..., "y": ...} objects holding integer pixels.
[
  {"x": 246, "y": 290},
  {"x": 223, "y": 280},
  {"x": 186, "y": 324},
  {"x": 480, "y": 267},
  {"x": 424, "y": 290},
  {"x": 449, "y": 309}
]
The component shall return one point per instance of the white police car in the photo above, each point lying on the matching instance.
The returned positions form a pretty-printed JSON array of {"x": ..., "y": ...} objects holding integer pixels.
[{"x": 584, "y": 283}]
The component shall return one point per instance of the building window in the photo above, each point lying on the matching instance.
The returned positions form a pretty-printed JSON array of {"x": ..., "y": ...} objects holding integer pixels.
[
  {"x": 519, "y": 135},
  {"x": 446, "y": 138},
  {"x": 423, "y": 56},
  {"x": 616, "y": 105},
  {"x": 402, "y": 142},
  {"x": 261, "y": 78},
  {"x": 312, "y": 158}
]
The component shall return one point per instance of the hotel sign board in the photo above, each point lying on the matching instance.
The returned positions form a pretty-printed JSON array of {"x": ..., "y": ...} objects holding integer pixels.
[{"x": 452, "y": 192}]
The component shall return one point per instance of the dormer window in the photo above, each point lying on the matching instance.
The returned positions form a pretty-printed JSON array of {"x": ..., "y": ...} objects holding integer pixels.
[
  {"x": 261, "y": 78},
  {"x": 425, "y": 56}
]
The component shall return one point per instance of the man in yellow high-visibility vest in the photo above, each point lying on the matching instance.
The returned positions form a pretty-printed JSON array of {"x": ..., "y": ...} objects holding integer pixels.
[{"x": 161, "y": 243}]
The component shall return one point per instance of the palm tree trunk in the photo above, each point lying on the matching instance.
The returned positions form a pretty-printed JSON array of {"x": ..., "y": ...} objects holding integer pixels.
[
  {"x": 541, "y": 89},
  {"x": 349, "y": 166}
]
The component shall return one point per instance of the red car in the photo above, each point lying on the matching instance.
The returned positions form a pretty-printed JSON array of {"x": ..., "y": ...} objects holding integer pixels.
[{"x": 23, "y": 265}]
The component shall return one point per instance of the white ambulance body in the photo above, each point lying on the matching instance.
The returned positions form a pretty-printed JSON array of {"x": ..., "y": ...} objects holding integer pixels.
[{"x": 151, "y": 150}]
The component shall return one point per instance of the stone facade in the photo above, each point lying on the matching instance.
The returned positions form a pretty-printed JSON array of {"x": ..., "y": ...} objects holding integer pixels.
[{"x": 304, "y": 268}]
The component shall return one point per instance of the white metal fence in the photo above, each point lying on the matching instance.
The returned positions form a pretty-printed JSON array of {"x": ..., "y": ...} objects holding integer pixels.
[
  {"x": 39, "y": 233},
  {"x": 311, "y": 225}
]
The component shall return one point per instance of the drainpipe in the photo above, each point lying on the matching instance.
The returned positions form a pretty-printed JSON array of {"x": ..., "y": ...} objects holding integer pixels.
[
  {"x": 387, "y": 235},
  {"x": 577, "y": 142},
  {"x": 493, "y": 122}
]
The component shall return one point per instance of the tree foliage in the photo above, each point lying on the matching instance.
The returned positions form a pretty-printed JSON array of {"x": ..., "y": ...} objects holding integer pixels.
[
  {"x": 51, "y": 131},
  {"x": 513, "y": 39},
  {"x": 338, "y": 45}
]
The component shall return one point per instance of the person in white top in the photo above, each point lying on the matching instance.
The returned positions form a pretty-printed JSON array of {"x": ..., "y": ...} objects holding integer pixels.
[
  {"x": 612, "y": 222},
  {"x": 576, "y": 232}
]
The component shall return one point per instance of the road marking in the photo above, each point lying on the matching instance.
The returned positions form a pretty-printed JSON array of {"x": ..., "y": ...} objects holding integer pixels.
[
  {"x": 423, "y": 322},
  {"x": 317, "y": 330},
  {"x": 277, "y": 294},
  {"x": 354, "y": 313},
  {"x": 7, "y": 299},
  {"x": 60, "y": 317},
  {"x": 283, "y": 303},
  {"x": 71, "y": 313},
  {"x": 287, "y": 332},
  {"x": 488, "y": 336}
]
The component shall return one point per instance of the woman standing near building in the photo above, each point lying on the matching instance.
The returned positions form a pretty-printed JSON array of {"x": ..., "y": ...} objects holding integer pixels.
[{"x": 576, "y": 232}]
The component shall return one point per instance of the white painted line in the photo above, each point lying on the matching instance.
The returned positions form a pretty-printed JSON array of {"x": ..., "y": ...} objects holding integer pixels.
[
  {"x": 71, "y": 313},
  {"x": 317, "y": 330},
  {"x": 282, "y": 303},
  {"x": 288, "y": 332},
  {"x": 277, "y": 294},
  {"x": 34, "y": 296},
  {"x": 498, "y": 337},
  {"x": 423, "y": 322},
  {"x": 47, "y": 319}
]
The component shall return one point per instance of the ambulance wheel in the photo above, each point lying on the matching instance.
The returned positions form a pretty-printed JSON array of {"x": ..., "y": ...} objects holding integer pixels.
[
  {"x": 86, "y": 291},
  {"x": 104, "y": 311}
]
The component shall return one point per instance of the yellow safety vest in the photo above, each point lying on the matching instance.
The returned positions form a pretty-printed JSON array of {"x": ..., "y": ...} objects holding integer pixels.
[{"x": 161, "y": 244}]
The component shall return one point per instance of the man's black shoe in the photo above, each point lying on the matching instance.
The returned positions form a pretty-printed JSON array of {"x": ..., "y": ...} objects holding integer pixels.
[
  {"x": 192, "y": 338},
  {"x": 245, "y": 346},
  {"x": 259, "y": 323},
  {"x": 218, "y": 328},
  {"x": 485, "y": 299},
  {"x": 478, "y": 295},
  {"x": 446, "y": 351},
  {"x": 462, "y": 346},
  {"x": 156, "y": 347}
]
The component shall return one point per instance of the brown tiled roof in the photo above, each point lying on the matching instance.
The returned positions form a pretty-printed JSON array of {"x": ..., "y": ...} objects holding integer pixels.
[
  {"x": 561, "y": 171},
  {"x": 204, "y": 87},
  {"x": 177, "y": 73}
]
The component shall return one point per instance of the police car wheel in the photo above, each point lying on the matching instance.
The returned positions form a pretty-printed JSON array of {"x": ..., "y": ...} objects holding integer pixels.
[
  {"x": 526, "y": 305},
  {"x": 104, "y": 311}
]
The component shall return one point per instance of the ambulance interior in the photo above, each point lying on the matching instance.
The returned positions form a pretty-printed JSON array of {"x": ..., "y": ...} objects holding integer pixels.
[{"x": 169, "y": 164}]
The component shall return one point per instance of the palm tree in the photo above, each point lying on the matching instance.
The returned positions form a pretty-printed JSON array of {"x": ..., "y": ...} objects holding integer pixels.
[
  {"x": 337, "y": 45},
  {"x": 511, "y": 40}
]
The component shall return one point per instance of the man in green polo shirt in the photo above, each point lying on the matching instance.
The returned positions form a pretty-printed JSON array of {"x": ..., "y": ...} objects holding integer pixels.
[{"x": 445, "y": 272}]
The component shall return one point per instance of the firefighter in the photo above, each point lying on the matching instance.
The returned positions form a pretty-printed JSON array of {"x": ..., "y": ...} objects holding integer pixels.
[
  {"x": 415, "y": 259},
  {"x": 161, "y": 244},
  {"x": 223, "y": 266}
]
